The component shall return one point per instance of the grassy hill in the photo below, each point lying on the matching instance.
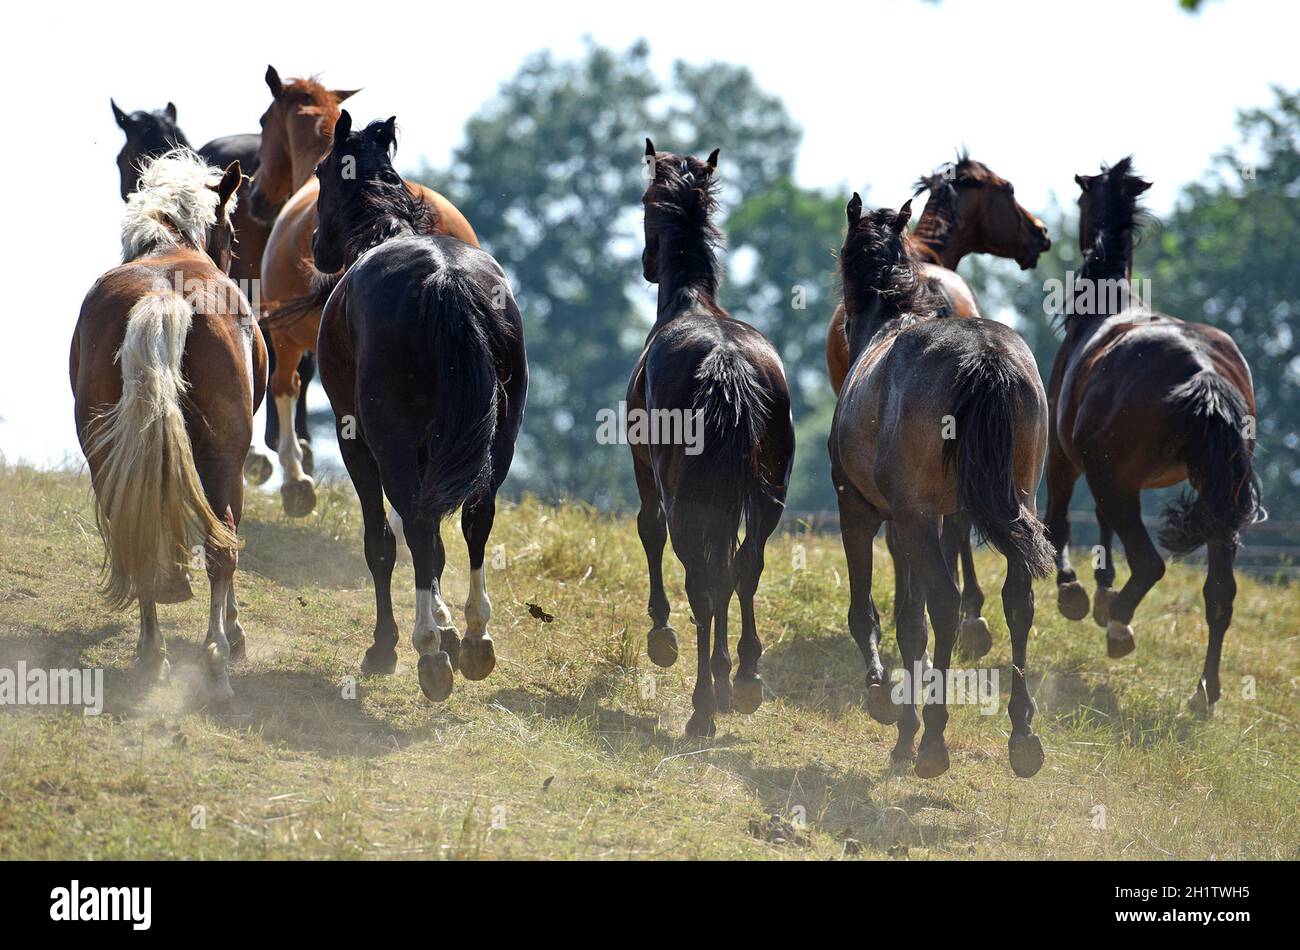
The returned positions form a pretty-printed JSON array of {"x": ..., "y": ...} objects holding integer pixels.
[{"x": 574, "y": 747}]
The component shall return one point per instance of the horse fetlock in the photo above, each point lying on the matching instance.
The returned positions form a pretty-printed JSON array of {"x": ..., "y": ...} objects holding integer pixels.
[
  {"x": 308, "y": 457},
  {"x": 1101, "y": 606},
  {"x": 1201, "y": 702}
]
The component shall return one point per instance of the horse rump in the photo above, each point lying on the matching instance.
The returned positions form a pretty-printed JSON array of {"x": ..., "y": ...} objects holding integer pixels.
[{"x": 1212, "y": 417}]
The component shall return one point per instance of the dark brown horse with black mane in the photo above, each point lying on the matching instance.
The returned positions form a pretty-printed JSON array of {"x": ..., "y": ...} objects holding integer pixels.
[
  {"x": 936, "y": 416},
  {"x": 1143, "y": 400},
  {"x": 705, "y": 369},
  {"x": 167, "y": 370},
  {"x": 421, "y": 351},
  {"x": 971, "y": 210},
  {"x": 149, "y": 135}
]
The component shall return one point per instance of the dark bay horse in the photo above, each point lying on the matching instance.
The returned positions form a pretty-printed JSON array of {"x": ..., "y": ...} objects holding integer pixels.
[
  {"x": 167, "y": 370},
  {"x": 149, "y": 135},
  {"x": 422, "y": 354},
  {"x": 935, "y": 416},
  {"x": 297, "y": 129},
  {"x": 700, "y": 364},
  {"x": 1143, "y": 400},
  {"x": 971, "y": 210}
]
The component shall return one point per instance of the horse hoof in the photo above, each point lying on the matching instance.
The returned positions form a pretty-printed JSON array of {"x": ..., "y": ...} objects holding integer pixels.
[
  {"x": 931, "y": 761},
  {"x": 1199, "y": 703},
  {"x": 435, "y": 676},
  {"x": 153, "y": 668},
  {"x": 902, "y": 751},
  {"x": 1119, "y": 640},
  {"x": 308, "y": 457},
  {"x": 974, "y": 639},
  {"x": 1101, "y": 606},
  {"x": 298, "y": 498},
  {"x": 1072, "y": 600},
  {"x": 477, "y": 657},
  {"x": 238, "y": 649},
  {"x": 747, "y": 694},
  {"x": 700, "y": 726},
  {"x": 379, "y": 661},
  {"x": 661, "y": 646},
  {"x": 451, "y": 646},
  {"x": 1026, "y": 754},
  {"x": 257, "y": 468},
  {"x": 880, "y": 705},
  {"x": 175, "y": 590}
]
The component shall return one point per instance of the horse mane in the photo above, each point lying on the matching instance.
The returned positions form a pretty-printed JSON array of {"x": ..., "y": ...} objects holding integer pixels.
[
  {"x": 1115, "y": 219},
  {"x": 174, "y": 205},
  {"x": 683, "y": 198},
  {"x": 381, "y": 206},
  {"x": 938, "y": 220},
  {"x": 874, "y": 263}
]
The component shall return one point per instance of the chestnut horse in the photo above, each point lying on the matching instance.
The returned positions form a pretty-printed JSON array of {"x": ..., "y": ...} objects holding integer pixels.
[
  {"x": 936, "y": 416},
  {"x": 297, "y": 129},
  {"x": 1143, "y": 400},
  {"x": 150, "y": 134},
  {"x": 167, "y": 370},
  {"x": 704, "y": 367},
  {"x": 422, "y": 355}
]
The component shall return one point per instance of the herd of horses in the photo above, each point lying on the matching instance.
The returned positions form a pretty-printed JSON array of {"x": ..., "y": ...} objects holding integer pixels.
[{"x": 942, "y": 427}]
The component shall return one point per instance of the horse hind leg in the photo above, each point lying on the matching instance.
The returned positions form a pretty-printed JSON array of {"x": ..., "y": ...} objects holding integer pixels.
[
  {"x": 380, "y": 547},
  {"x": 1220, "y": 591},
  {"x": 1104, "y": 572},
  {"x": 1072, "y": 599},
  {"x": 477, "y": 655},
  {"x": 1024, "y": 749},
  {"x": 910, "y": 626},
  {"x": 974, "y": 639},
  {"x": 652, "y": 528},
  {"x": 747, "y": 691},
  {"x": 298, "y": 493},
  {"x": 703, "y": 701},
  {"x": 1123, "y": 511},
  {"x": 151, "y": 650}
]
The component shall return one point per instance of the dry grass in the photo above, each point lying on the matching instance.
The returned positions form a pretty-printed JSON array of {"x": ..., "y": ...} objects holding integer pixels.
[{"x": 574, "y": 748}]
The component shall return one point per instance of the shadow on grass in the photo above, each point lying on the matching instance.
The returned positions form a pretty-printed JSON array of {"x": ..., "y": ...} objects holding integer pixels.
[{"x": 301, "y": 555}]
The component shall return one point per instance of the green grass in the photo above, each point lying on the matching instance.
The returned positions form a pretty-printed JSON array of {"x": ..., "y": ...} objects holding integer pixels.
[{"x": 573, "y": 748}]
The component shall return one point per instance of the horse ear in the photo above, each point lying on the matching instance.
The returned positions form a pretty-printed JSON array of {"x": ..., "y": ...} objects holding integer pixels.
[
  {"x": 343, "y": 126},
  {"x": 230, "y": 183},
  {"x": 389, "y": 133},
  {"x": 713, "y": 159},
  {"x": 121, "y": 116},
  {"x": 341, "y": 94},
  {"x": 1140, "y": 186},
  {"x": 650, "y": 148},
  {"x": 904, "y": 215},
  {"x": 273, "y": 81},
  {"x": 854, "y": 210},
  {"x": 1081, "y": 182},
  {"x": 170, "y": 111}
]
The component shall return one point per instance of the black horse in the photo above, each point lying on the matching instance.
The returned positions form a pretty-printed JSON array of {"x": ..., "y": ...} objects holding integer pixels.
[
  {"x": 421, "y": 351},
  {"x": 151, "y": 134},
  {"x": 703, "y": 368}
]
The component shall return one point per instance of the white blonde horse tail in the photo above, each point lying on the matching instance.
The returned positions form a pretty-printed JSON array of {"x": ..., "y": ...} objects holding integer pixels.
[{"x": 149, "y": 502}]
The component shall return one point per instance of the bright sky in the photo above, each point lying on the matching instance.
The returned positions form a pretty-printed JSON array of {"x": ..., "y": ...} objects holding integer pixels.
[{"x": 1037, "y": 90}]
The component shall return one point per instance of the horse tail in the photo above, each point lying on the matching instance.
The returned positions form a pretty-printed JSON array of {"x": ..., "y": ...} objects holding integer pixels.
[
  {"x": 287, "y": 313},
  {"x": 149, "y": 501},
  {"x": 459, "y": 314},
  {"x": 1212, "y": 417},
  {"x": 721, "y": 483},
  {"x": 988, "y": 390}
]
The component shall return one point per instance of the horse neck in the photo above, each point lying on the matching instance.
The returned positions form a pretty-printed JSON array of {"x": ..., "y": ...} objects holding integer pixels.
[
  {"x": 937, "y": 238},
  {"x": 687, "y": 274},
  {"x": 383, "y": 228},
  {"x": 305, "y": 156},
  {"x": 867, "y": 312}
]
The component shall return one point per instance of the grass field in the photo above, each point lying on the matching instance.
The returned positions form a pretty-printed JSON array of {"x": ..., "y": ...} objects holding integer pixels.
[{"x": 573, "y": 748}]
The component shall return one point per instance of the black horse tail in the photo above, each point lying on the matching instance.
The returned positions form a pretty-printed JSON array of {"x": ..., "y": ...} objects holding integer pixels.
[
  {"x": 721, "y": 482},
  {"x": 987, "y": 392},
  {"x": 288, "y": 312},
  {"x": 1213, "y": 419},
  {"x": 459, "y": 315}
]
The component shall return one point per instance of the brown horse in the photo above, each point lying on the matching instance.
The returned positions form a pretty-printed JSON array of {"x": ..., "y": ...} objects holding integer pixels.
[
  {"x": 151, "y": 134},
  {"x": 422, "y": 354},
  {"x": 709, "y": 370},
  {"x": 936, "y": 416},
  {"x": 297, "y": 129},
  {"x": 1143, "y": 400},
  {"x": 167, "y": 369},
  {"x": 971, "y": 210}
]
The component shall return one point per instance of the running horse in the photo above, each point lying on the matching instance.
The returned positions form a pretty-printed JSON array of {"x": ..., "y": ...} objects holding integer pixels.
[
  {"x": 1144, "y": 400},
  {"x": 150, "y": 134},
  {"x": 701, "y": 365},
  {"x": 297, "y": 129},
  {"x": 422, "y": 355},
  {"x": 936, "y": 416},
  {"x": 971, "y": 210},
  {"x": 167, "y": 371}
]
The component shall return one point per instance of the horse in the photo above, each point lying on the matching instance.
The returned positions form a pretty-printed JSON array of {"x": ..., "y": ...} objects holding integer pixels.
[
  {"x": 297, "y": 129},
  {"x": 724, "y": 379},
  {"x": 1139, "y": 400},
  {"x": 167, "y": 371},
  {"x": 422, "y": 355},
  {"x": 971, "y": 209},
  {"x": 150, "y": 134},
  {"x": 936, "y": 416}
]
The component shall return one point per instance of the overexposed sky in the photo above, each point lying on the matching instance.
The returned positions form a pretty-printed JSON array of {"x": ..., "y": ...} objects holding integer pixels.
[{"x": 884, "y": 90}]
